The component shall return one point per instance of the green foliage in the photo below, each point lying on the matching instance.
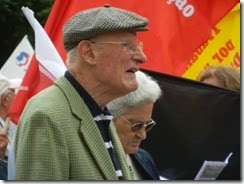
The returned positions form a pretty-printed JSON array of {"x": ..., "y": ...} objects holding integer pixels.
[{"x": 14, "y": 25}]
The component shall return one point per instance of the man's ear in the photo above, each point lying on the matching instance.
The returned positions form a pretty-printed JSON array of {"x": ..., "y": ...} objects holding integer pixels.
[
  {"x": 5, "y": 99},
  {"x": 86, "y": 52}
]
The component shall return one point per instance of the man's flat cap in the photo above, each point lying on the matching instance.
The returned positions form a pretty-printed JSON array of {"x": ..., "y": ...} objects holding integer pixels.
[{"x": 92, "y": 22}]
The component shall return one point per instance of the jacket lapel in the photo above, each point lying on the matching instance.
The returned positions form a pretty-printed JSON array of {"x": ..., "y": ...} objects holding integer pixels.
[
  {"x": 127, "y": 172},
  {"x": 96, "y": 145},
  {"x": 89, "y": 129}
]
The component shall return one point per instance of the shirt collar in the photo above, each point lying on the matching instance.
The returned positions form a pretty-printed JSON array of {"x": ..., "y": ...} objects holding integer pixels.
[{"x": 90, "y": 102}]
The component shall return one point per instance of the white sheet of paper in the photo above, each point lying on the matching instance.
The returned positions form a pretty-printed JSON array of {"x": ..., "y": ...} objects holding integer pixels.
[{"x": 211, "y": 169}]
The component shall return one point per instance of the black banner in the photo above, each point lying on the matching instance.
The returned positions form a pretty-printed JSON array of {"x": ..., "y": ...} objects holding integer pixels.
[{"x": 195, "y": 122}]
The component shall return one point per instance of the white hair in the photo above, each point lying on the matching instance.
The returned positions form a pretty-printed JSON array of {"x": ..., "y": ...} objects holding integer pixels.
[
  {"x": 72, "y": 55},
  {"x": 148, "y": 91}
]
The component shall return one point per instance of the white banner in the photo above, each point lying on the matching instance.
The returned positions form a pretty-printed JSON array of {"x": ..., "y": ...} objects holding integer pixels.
[{"x": 18, "y": 62}]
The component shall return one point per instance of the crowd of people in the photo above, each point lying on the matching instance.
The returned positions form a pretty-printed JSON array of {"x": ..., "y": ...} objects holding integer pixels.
[{"x": 89, "y": 124}]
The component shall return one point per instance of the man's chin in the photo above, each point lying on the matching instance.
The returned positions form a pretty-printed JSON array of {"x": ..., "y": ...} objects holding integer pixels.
[
  {"x": 127, "y": 88},
  {"x": 133, "y": 86},
  {"x": 133, "y": 150}
]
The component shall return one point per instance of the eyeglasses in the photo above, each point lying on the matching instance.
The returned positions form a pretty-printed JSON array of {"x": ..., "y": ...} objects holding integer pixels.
[
  {"x": 139, "y": 125},
  {"x": 131, "y": 48}
]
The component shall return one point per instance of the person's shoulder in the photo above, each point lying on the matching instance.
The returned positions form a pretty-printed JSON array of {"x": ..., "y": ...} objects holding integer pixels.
[
  {"x": 142, "y": 151},
  {"x": 38, "y": 98},
  {"x": 49, "y": 99},
  {"x": 143, "y": 154},
  {"x": 48, "y": 94}
]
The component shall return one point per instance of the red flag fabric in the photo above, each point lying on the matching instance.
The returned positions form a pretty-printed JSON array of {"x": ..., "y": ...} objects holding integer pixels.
[
  {"x": 177, "y": 27},
  {"x": 33, "y": 82}
]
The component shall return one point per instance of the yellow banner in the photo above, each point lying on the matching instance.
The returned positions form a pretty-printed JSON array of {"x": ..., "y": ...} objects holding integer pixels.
[{"x": 223, "y": 48}]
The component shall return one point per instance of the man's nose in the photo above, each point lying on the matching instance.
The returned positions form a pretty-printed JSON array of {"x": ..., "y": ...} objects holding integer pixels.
[{"x": 139, "y": 56}]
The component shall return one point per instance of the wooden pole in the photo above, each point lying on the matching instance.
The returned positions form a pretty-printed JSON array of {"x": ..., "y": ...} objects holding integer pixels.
[{"x": 6, "y": 125}]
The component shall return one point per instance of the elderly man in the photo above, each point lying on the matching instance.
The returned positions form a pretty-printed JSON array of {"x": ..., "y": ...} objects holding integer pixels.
[
  {"x": 65, "y": 131},
  {"x": 7, "y": 94}
]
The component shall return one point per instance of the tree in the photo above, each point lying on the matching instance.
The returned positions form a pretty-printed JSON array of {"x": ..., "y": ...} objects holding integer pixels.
[{"x": 14, "y": 24}]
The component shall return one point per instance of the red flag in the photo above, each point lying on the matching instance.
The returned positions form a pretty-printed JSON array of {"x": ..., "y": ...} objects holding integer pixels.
[
  {"x": 177, "y": 27},
  {"x": 33, "y": 82}
]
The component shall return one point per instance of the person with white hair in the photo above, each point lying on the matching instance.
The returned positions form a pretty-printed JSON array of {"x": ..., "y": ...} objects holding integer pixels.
[
  {"x": 7, "y": 93},
  {"x": 132, "y": 117}
]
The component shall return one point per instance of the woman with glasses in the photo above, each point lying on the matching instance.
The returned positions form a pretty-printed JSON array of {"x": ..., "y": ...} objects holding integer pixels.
[{"x": 132, "y": 117}]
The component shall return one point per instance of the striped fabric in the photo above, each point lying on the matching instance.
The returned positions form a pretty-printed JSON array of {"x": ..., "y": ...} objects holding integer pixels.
[{"x": 103, "y": 125}]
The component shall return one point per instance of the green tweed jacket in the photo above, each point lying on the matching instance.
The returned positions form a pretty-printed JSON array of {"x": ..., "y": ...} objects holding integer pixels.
[{"x": 57, "y": 139}]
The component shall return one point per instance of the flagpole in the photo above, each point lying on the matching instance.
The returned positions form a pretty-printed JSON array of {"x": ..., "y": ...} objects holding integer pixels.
[{"x": 6, "y": 125}]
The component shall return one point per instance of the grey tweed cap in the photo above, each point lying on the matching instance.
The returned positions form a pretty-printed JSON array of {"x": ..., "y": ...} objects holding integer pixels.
[{"x": 92, "y": 22}]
